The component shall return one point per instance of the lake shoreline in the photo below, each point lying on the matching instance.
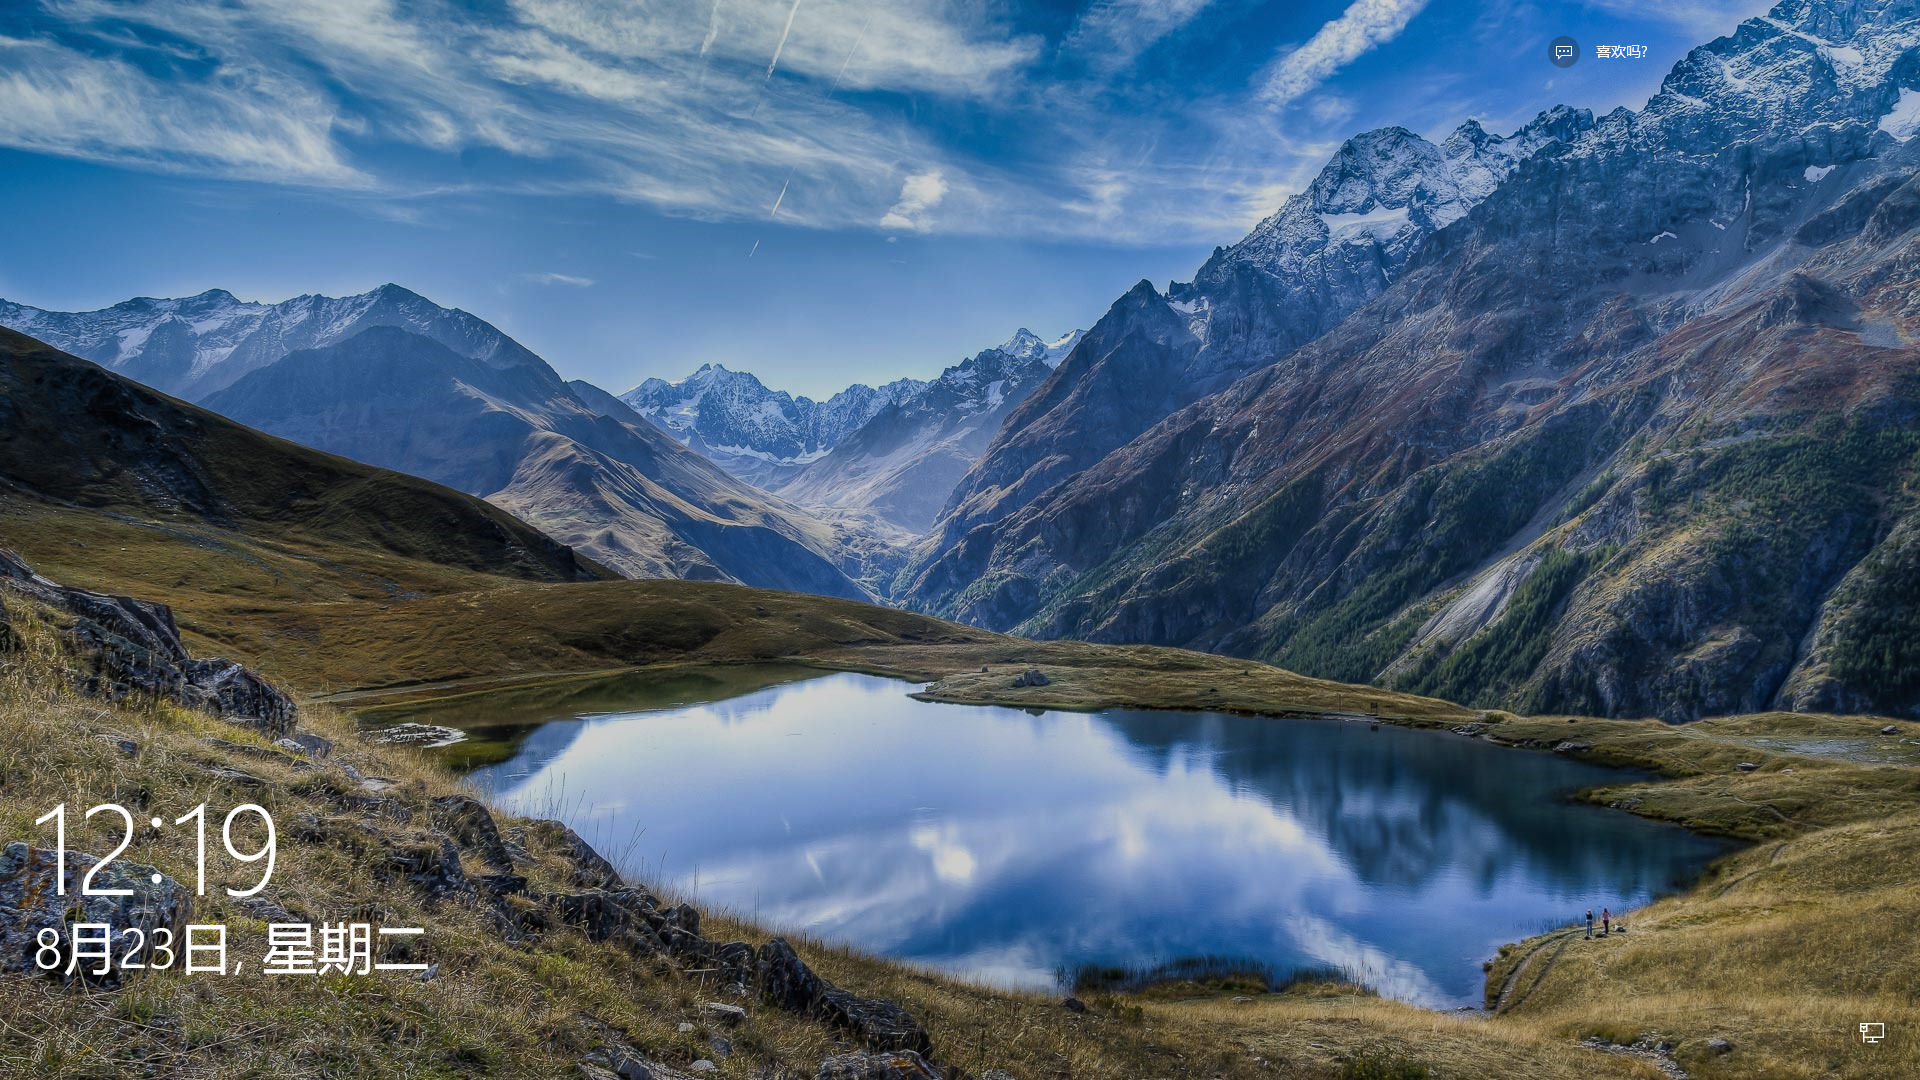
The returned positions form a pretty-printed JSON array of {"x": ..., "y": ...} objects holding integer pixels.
[{"x": 409, "y": 701}]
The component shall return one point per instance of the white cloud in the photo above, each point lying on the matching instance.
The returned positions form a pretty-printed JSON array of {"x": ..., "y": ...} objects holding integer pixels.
[
  {"x": 550, "y": 277},
  {"x": 1363, "y": 26},
  {"x": 908, "y": 45},
  {"x": 244, "y": 121},
  {"x": 920, "y": 193},
  {"x": 1331, "y": 109}
]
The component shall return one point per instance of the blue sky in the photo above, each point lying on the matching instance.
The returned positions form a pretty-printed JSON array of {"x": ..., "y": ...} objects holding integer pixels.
[{"x": 820, "y": 191}]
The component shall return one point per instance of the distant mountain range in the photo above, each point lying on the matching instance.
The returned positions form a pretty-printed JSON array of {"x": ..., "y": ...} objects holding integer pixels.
[
  {"x": 762, "y": 436},
  {"x": 392, "y": 379},
  {"x": 1614, "y": 416},
  {"x": 902, "y": 463},
  {"x": 767, "y": 437},
  {"x": 195, "y": 346}
]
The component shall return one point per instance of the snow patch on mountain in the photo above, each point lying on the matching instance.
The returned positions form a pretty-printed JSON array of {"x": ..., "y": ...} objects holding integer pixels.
[
  {"x": 1027, "y": 345},
  {"x": 1904, "y": 121}
]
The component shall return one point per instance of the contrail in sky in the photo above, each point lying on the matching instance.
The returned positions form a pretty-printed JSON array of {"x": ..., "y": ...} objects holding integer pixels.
[
  {"x": 858, "y": 39},
  {"x": 713, "y": 28},
  {"x": 778, "y": 49},
  {"x": 780, "y": 198},
  {"x": 756, "y": 247}
]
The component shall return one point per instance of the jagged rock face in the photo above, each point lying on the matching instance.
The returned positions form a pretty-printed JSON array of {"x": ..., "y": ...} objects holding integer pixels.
[
  {"x": 131, "y": 649},
  {"x": 1324, "y": 253},
  {"x": 762, "y": 436},
  {"x": 194, "y": 346},
  {"x": 904, "y": 460},
  {"x": 1634, "y": 436}
]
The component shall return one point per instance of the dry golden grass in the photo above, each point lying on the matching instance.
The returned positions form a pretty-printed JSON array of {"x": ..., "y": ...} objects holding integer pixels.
[{"x": 1784, "y": 948}]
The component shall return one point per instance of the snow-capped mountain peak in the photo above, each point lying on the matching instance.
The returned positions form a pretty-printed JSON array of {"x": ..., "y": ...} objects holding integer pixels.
[
  {"x": 1028, "y": 345},
  {"x": 196, "y": 345},
  {"x": 758, "y": 433}
]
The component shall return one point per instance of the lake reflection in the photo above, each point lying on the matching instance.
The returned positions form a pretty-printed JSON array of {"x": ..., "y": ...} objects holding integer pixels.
[{"x": 1003, "y": 846}]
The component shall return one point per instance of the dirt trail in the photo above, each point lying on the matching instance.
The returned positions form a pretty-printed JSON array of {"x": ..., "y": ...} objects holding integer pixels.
[{"x": 1557, "y": 942}]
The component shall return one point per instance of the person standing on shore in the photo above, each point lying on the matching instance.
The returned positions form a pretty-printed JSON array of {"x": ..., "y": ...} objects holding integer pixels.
[
  {"x": 1606, "y": 922},
  {"x": 1589, "y": 923}
]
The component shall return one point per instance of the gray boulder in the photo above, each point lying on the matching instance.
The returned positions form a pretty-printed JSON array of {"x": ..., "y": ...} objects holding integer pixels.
[
  {"x": 1031, "y": 677},
  {"x": 472, "y": 826},
  {"x": 432, "y": 866},
  {"x": 786, "y": 981},
  {"x": 312, "y": 746},
  {"x": 30, "y": 901},
  {"x": 590, "y": 868}
]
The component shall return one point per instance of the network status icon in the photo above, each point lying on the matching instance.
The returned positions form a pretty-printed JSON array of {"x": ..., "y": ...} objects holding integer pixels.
[{"x": 1872, "y": 1033}]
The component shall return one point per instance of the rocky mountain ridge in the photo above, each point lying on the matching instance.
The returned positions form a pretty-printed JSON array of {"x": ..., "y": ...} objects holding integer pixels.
[
  {"x": 1297, "y": 274},
  {"x": 1633, "y": 435},
  {"x": 762, "y": 436}
]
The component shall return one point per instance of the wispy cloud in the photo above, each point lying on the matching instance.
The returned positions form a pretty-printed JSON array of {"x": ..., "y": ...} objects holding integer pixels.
[
  {"x": 549, "y": 277},
  {"x": 1363, "y": 26},
  {"x": 240, "y": 120},
  {"x": 1112, "y": 34}
]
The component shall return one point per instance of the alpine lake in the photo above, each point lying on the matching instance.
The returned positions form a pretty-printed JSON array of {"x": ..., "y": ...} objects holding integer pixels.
[{"x": 1025, "y": 849}]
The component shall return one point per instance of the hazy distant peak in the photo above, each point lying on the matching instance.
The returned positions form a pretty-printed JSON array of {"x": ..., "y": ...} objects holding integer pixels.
[{"x": 1028, "y": 345}]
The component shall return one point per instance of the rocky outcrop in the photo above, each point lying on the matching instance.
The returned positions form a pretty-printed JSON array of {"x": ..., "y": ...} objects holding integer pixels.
[
  {"x": 31, "y": 900},
  {"x": 641, "y": 923},
  {"x": 131, "y": 649},
  {"x": 786, "y": 981},
  {"x": 470, "y": 823}
]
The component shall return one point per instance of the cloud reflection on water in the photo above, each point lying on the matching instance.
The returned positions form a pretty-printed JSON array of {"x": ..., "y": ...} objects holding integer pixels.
[{"x": 1004, "y": 846}]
